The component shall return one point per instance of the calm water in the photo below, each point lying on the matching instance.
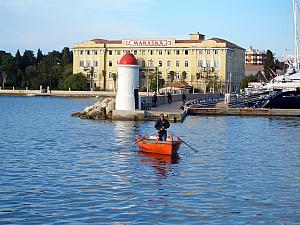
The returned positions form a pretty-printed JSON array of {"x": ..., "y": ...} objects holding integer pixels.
[{"x": 58, "y": 169}]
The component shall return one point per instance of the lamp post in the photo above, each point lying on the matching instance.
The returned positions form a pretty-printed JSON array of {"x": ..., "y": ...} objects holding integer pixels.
[{"x": 157, "y": 79}]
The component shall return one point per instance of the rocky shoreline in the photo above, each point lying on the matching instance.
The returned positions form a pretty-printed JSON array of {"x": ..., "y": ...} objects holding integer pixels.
[{"x": 99, "y": 111}]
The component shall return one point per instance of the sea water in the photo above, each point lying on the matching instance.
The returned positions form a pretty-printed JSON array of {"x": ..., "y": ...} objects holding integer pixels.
[{"x": 57, "y": 169}]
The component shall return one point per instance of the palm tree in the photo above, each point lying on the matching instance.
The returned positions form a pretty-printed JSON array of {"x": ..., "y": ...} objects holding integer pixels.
[
  {"x": 172, "y": 76},
  {"x": 104, "y": 79},
  {"x": 183, "y": 76},
  {"x": 115, "y": 76}
]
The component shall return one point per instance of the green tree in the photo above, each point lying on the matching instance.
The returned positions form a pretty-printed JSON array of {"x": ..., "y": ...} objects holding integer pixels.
[
  {"x": 172, "y": 77},
  {"x": 39, "y": 56},
  {"x": 183, "y": 76},
  {"x": 153, "y": 81},
  {"x": 104, "y": 79},
  {"x": 66, "y": 57},
  {"x": 246, "y": 80},
  {"x": 269, "y": 64},
  {"x": 28, "y": 59},
  {"x": 76, "y": 82}
]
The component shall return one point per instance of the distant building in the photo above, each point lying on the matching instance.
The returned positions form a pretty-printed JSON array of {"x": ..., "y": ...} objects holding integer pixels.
[
  {"x": 255, "y": 57},
  {"x": 208, "y": 65}
]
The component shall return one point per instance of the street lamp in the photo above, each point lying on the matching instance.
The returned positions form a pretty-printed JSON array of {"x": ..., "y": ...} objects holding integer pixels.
[{"x": 157, "y": 79}]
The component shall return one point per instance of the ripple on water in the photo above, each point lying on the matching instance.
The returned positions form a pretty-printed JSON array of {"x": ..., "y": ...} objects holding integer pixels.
[{"x": 60, "y": 169}]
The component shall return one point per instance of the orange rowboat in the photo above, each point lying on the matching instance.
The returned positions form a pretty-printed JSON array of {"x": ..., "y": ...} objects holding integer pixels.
[{"x": 168, "y": 147}]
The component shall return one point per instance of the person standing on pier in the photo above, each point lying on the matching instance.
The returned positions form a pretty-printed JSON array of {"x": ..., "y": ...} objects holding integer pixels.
[
  {"x": 154, "y": 99},
  {"x": 169, "y": 96},
  {"x": 162, "y": 125}
]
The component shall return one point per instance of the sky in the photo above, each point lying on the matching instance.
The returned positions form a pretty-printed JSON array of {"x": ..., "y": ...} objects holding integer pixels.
[{"x": 54, "y": 24}]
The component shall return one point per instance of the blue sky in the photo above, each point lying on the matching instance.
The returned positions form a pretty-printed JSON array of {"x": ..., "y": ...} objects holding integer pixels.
[{"x": 54, "y": 24}]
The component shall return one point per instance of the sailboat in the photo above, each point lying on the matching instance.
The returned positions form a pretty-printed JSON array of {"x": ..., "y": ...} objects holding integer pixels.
[{"x": 285, "y": 89}]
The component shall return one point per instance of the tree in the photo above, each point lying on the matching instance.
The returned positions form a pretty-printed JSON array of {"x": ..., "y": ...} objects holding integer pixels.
[
  {"x": 172, "y": 76},
  {"x": 104, "y": 79},
  {"x": 153, "y": 81},
  {"x": 76, "y": 82},
  {"x": 28, "y": 59},
  {"x": 66, "y": 57},
  {"x": 246, "y": 80},
  {"x": 115, "y": 76},
  {"x": 183, "y": 76},
  {"x": 269, "y": 64},
  {"x": 39, "y": 56}
]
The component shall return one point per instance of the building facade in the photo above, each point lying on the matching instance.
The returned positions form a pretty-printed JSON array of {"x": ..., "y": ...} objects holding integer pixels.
[
  {"x": 255, "y": 57},
  {"x": 208, "y": 65}
]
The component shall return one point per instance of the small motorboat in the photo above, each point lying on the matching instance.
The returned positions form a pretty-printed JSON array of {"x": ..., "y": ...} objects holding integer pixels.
[{"x": 153, "y": 145}]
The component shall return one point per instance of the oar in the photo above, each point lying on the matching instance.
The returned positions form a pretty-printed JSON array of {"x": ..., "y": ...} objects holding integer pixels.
[{"x": 195, "y": 150}]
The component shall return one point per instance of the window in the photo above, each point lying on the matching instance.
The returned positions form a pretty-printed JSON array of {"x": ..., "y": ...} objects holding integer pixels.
[
  {"x": 177, "y": 75},
  {"x": 151, "y": 52},
  {"x": 95, "y": 52},
  {"x": 81, "y": 63},
  {"x": 200, "y": 51},
  {"x": 143, "y": 52},
  {"x": 216, "y": 52},
  {"x": 110, "y": 52},
  {"x": 200, "y": 63},
  {"x": 110, "y": 63},
  {"x": 88, "y": 63},
  {"x": 177, "y": 63},
  {"x": 216, "y": 63},
  {"x": 160, "y": 63},
  {"x": 207, "y": 63},
  {"x": 81, "y": 52},
  {"x": 95, "y": 63},
  {"x": 118, "y": 52},
  {"x": 168, "y": 63},
  {"x": 186, "y": 52},
  {"x": 135, "y": 52},
  {"x": 208, "y": 52},
  {"x": 169, "y": 52},
  {"x": 109, "y": 74},
  {"x": 186, "y": 63},
  {"x": 143, "y": 63},
  {"x": 88, "y": 52},
  {"x": 177, "y": 52},
  {"x": 160, "y": 52}
]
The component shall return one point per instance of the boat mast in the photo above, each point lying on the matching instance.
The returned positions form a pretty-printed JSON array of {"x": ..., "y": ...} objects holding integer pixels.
[{"x": 295, "y": 12}]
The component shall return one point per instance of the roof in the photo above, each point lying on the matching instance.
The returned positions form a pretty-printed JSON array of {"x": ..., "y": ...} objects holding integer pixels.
[
  {"x": 217, "y": 40},
  {"x": 128, "y": 59},
  {"x": 180, "y": 84}
]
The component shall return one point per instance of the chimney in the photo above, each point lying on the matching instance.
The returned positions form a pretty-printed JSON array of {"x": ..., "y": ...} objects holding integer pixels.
[{"x": 197, "y": 36}]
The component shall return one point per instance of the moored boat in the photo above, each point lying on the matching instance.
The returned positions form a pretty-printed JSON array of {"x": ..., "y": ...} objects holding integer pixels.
[{"x": 169, "y": 147}]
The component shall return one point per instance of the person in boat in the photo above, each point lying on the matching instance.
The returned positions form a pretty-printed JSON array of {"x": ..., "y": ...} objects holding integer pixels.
[{"x": 162, "y": 125}]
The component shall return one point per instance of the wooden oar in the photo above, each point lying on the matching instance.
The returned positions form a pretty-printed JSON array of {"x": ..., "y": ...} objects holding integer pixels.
[{"x": 195, "y": 150}]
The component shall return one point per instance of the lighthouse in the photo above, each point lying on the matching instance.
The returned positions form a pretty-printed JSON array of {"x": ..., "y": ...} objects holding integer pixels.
[{"x": 128, "y": 82}]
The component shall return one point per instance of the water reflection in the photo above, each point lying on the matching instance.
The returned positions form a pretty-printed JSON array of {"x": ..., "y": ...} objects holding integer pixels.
[{"x": 161, "y": 163}]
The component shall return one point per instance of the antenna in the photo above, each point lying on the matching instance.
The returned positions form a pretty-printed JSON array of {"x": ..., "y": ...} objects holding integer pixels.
[{"x": 295, "y": 12}]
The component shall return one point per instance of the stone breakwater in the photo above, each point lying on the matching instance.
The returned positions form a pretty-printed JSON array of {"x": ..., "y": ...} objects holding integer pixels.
[{"x": 100, "y": 110}]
